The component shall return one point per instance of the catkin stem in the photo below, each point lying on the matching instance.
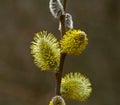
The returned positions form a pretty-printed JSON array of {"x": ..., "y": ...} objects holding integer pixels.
[{"x": 63, "y": 55}]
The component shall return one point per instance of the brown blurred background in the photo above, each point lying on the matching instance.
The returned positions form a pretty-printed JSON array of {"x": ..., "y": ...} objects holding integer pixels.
[{"x": 22, "y": 83}]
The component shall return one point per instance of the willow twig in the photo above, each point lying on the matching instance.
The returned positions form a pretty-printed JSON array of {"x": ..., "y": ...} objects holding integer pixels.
[{"x": 63, "y": 55}]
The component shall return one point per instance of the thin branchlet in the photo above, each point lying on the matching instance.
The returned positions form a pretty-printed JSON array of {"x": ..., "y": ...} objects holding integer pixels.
[{"x": 63, "y": 55}]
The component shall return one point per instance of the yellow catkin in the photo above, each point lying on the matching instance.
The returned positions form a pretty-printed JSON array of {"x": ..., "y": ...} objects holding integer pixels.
[
  {"x": 74, "y": 42},
  {"x": 45, "y": 50},
  {"x": 75, "y": 86}
]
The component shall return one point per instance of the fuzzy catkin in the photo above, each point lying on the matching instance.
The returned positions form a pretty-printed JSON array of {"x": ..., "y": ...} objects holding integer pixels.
[
  {"x": 74, "y": 42},
  {"x": 75, "y": 86},
  {"x": 45, "y": 50}
]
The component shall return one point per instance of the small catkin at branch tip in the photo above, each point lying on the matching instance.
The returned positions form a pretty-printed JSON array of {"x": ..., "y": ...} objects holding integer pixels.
[{"x": 56, "y": 8}]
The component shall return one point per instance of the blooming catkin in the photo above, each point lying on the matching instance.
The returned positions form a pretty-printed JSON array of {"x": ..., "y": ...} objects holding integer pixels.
[
  {"x": 57, "y": 100},
  {"x": 75, "y": 86},
  {"x": 45, "y": 50},
  {"x": 74, "y": 42}
]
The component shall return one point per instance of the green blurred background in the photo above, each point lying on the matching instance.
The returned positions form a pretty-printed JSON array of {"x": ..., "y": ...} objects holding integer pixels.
[{"x": 22, "y": 83}]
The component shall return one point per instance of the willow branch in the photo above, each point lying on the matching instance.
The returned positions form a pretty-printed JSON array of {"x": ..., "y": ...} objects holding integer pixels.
[{"x": 63, "y": 55}]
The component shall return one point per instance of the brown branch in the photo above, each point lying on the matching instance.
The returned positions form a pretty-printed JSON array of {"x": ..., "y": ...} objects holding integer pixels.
[
  {"x": 59, "y": 74},
  {"x": 63, "y": 55},
  {"x": 64, "y": 4}
]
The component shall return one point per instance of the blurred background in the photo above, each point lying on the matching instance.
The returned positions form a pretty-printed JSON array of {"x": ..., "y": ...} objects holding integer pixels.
[{"x": 22, "y": 83}]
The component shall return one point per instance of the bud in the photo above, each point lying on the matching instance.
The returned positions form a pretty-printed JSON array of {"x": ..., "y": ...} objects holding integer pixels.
[
  {"x": 57, "y": 100},
  {"x": 56, "y": 8},
  {"x": 68, "y": 22}
]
